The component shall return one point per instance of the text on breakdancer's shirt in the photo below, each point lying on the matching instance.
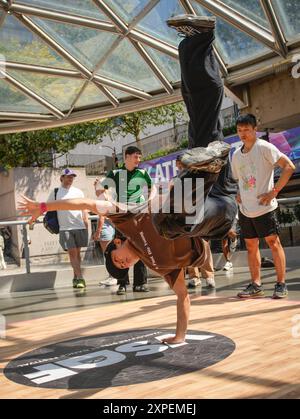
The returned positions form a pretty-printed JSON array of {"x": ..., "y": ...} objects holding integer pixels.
[{"x": 166, "y": 257}]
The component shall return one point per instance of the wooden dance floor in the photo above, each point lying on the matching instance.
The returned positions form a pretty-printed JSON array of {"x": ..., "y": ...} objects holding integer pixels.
[{"x": 237, "y": 349}]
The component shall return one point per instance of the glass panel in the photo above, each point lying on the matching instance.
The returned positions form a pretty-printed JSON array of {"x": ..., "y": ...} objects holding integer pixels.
[
  {"x": 119, "y": 93},
  {"x": 85, "y": 44},
  {"x": 127, "y": 66},
  {"x": 155, "y": 22},
  {"x": 288, "y": 12},
  {"x": 12, "y": 100},
  {"x": 60, "y": 91},
  {"x": 251, "y": 9},
  {"x": 127, "y": 10},
  {"x": 18, "y": 44},
  {"x": 168, "y": 65},
  {"x": 91, "y": 96},
  {"x": 233, "y": 44},
  {"x": 76, "y": 7}
]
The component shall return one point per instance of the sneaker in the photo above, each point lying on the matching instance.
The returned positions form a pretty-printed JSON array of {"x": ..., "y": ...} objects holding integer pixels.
[
  {"x": 109, "y": 281},
  {"x": 280, "y": 290},
  {"x": 228, "y": 266},
  {"x": 206, "y": 159},
  {"x": 190, "y": 25},
  {"x": 252, "y": 291},
  {"x": 194, "y": 282},
  {"x": 140, "y": 288},
  {"x": 267, "y": 263},
  {"x": 210, "y": 282},
  {"x": 121, "y": 290},
  {"x": 79, "y": 283}
]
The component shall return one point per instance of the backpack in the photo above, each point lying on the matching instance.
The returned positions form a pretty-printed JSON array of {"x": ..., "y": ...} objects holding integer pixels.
[{"x": 50, "y": 220}]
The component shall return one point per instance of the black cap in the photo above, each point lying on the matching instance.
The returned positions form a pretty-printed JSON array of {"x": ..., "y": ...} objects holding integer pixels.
[{"x": 110, "y": 266}]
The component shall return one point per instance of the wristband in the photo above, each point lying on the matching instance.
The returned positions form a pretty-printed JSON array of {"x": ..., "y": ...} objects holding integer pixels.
[
  {"x": 43, "y": 207},
  {"x": 276, "y": 190}
]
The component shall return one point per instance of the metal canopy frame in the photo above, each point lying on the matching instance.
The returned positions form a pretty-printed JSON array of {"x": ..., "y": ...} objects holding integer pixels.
[{"x": 279, "y": 51}]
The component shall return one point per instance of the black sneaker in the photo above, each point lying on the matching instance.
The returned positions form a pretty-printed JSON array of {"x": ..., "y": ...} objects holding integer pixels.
[
  {"x": 190, "y": 25},
  {"x": 280, "y": 290},
  {"x": 206, "y": 159},
  {"x": 140, "y": 288},
  {"x": 252, "y": 291},
  {"x": 121, "y": 290}
]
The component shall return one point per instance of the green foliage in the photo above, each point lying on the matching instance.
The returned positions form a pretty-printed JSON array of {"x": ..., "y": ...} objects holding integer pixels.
[
  {"x": 286, "y": 217},
  {"x": 166, "y": 151},
  {"x": 35, "y": 147},
  {"x": 229, "y": 130},
  {"x": 297, "y": 212},
  {"x": 136, "y": 123}
]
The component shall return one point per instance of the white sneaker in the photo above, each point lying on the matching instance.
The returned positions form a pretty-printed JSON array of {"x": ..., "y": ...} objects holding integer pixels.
[
  {"x": 228, "y": 266},
  {"x": 194, "y": 282},
  {"x": 210, "y": 282},
  {"x": 109, "y": 282}
]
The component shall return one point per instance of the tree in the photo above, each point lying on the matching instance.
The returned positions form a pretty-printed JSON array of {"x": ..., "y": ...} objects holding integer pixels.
[
  {"x": 297, "y": 212},
  {"x": 136, "y": 123},
  {"x": 37, "y": 147}
]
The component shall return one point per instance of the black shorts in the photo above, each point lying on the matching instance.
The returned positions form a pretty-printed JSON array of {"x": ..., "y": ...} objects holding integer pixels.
[{"x": 258, "y": 227}]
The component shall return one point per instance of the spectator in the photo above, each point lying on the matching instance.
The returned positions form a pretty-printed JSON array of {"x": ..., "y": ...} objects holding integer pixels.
[
  {"x": 2, "y": 261},
  {"x": 73, "y": 225},
  {"x": 6, "y": 233},
  {"x": 253, "y": 166},
  {"x": 105, "y": 233},
  {"x": 128, "y": 183}
]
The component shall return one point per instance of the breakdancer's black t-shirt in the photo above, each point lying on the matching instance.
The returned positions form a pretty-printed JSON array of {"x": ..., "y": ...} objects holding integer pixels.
[{"x": 166, "y": 257}]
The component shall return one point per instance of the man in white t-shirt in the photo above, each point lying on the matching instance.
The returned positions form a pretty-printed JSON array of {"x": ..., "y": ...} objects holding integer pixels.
[
  {"x": 73, "y": 225},
  {"x": 253, "y": 166}
]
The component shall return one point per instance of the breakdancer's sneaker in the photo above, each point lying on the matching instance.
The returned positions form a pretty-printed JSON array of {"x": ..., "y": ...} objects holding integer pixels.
[
  {"x": 190, "y": 25},
  {"x": 206, "y": 159}
]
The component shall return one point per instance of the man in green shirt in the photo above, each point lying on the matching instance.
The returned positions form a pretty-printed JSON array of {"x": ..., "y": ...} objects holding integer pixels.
[{"x": 129, "y": 184}]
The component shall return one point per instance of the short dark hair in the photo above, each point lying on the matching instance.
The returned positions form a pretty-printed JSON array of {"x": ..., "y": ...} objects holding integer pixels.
[
  {"x": 110, "y": 266},
  {"x": 131, "y": 150},
  {"x": 246, "y": 119}
]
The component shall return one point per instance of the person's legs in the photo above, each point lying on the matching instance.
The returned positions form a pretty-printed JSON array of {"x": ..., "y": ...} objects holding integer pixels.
[
  {"x": 75, "y": 260},
  {"x": 278, "y": 256},
  {"x": 108, "y": 281},
  {"x": 280, "y": 265},
  {"x": 2, "y": 261},
  {"x": 194, "y": 277},
  {"x": 251, "y": 236},
  {"x": 254, "y": 260},
  {"x": 140, "y": 277},
  {"x": 207, "y": 269},
  {"x": 202, "y": 88}
]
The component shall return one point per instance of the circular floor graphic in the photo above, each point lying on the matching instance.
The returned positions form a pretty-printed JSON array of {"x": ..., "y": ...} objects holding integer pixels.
[{"x": 117, "y": 359}]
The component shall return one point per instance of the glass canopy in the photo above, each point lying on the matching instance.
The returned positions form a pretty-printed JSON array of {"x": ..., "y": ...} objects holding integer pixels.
[{"x": 79, "y": 60}]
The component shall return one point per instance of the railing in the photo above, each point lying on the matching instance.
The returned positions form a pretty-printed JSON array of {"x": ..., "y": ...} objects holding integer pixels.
[
  {"x": 25, "y": 236},
  {"x": 91, "y": 217}
]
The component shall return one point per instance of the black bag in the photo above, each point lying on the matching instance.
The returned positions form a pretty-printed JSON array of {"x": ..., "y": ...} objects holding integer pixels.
[{"x": 50, "y": 220}]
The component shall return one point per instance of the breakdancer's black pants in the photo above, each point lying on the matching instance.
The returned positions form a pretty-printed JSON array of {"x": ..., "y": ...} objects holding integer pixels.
[{"x": 202, "y": 91}]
